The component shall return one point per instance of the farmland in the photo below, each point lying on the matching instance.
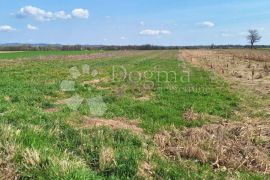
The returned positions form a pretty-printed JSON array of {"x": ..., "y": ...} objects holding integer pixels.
[
  {"x": 165, "y": 114},
  {"x": 250, "y": 69},
  {"x": 37, "y": 54}
]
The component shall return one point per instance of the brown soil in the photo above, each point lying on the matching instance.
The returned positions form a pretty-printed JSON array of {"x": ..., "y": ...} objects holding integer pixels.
[
  {"x": 119, "y": 123},
  {"x": 234, "y": 145}
]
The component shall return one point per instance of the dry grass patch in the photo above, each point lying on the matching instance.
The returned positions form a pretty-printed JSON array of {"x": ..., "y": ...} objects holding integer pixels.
[
  {"x": 7, "y": 98},
  {"x": 51, "y": 110},
  {"x": 106, "y": 158},
  {"x": 7, "y": 167},
  {"x": 190, "y": 115},
  {"x": 31, "y": 157},
  {"x": 8, "y": 150},
  {"x": 146, "y": 170},
  {"x": 92, "y": 82},
  {"x": 244, "y": 68},
  {"x": 228, "y": 145},
  {"x": 119, "y": 123},
  {"x": 144, "y": 98}
]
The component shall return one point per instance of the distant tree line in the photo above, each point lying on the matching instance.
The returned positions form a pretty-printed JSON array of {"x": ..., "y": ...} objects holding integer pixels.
[
  {"x": 253, "y": 37},
  {"x": 29, "y": 47}
]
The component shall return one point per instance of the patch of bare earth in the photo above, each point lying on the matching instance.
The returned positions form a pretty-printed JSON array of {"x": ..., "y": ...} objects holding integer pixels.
[
  {"x": 234, "y": 145},
  {"x": 119, "y": 123},
  {"x": 51, "y": 110}
]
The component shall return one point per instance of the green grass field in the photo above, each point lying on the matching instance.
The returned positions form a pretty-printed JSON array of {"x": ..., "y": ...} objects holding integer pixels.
[
  {"x": 31, "y": 54},
  {"x": 44, "y": 139}
]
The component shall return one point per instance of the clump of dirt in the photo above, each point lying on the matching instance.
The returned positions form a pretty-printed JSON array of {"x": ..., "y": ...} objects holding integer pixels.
[
  {"x": 228, "y": 145},
  {"x": 119, "y": 123}
]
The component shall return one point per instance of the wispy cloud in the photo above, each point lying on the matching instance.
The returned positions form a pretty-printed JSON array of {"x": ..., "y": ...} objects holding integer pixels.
[
  {"x": 206, "y": 24},
  {"x": 7, "y": 28},
  {"x": 32, "y": 28},
  {"x": 152, "y": 32}
]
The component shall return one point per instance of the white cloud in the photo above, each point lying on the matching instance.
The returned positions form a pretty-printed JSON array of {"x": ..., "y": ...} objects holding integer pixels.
[
  {"x": 142, "y": 23},
  {"x": 165, "y": 32},
  {"x": 80, "y": 13},
  {"x": 123, "y": 38},
  {"x": 62, "y": 15},
  {"x": 151, "y": 32},
  {"x": 37, "y": 13},
  {"x": 206, "y": 24},
  {"x": 31, "y": 27},
  {"x": 7, "y": 28},
  {"x": 42, "y": 15}
]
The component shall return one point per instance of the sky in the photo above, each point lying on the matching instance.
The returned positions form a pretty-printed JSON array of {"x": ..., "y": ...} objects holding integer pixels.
[{"x": 133, "y": 22}]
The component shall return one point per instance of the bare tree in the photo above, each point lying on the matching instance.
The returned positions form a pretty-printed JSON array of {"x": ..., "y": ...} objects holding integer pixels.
[{"x": 253, "y": 37}]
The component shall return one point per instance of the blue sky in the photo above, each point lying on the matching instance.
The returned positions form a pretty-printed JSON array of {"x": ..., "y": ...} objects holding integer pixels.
[{"x": 121, "y": 22}]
